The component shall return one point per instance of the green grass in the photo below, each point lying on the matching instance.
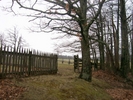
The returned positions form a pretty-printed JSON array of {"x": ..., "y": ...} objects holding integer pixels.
[
  {"x": 66, "y": 61},
  {"x": 65, "y": 85}
]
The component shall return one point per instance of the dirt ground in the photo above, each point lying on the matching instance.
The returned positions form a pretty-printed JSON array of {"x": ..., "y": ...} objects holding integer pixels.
[{"x": 66, "y": 85}]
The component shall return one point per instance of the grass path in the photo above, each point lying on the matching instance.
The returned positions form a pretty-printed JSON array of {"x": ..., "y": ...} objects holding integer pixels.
[{"x": 65, "y": 85}]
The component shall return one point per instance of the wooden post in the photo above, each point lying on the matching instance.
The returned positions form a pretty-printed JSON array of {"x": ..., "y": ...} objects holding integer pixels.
[
  {"x": 69, "y": 62},
  {"x": 29, "y": 67},
  {"x": 76, "y": 62},
  {"x": 4, "y": 62},
  {"x": 0, "y": 55},
  {"x": 62, "y": 60},
  {"x": 13, "y": 61},
  {"x": 56, "y": 61},
  {"x": 1, "y": 62}
]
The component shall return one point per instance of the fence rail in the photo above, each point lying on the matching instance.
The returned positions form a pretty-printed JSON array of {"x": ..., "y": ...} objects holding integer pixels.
[
  {"x": 24, "y": 62},
  {"x": 78, "y": 63},
  {"x": 66, "y": 61}
]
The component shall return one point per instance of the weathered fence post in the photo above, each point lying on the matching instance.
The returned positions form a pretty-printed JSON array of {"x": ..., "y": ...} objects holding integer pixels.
[
  {"x": 0, "y": 62},
  {"x": 62, "y": 60},
  {"x": 4, "y": 62},
  {"x": 69, "y": 62},
  {"x": 76, "y": 62},
  {"x": 56, "y": 64},
  {"x": 0, "y": 55},
  {"x": 29, "y": 67}
]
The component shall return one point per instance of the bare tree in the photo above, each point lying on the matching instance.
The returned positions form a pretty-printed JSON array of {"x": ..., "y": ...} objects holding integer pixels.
[
  {"x": 71, "y": 44},
  {"x": 2, "y": 40},
  {"x": 15, "y": 40},
  {"x": 78, "y": 11}
]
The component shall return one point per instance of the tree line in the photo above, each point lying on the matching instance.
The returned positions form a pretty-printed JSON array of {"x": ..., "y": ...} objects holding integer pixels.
[{"x": 12, "y": 38}]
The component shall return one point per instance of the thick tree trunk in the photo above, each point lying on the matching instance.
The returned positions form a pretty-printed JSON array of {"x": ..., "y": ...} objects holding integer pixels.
[
  {"x": 132, "y": 55},
  {"x": 132, "y": 47},
  {"x": 86, "y": 72},
  {"x": 124, "y": 42}
]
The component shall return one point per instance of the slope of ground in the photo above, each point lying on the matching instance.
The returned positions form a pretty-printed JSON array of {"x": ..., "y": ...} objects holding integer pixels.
[
  {"x": 121, "y": 89},
  {"x": 65, "y": 85}
]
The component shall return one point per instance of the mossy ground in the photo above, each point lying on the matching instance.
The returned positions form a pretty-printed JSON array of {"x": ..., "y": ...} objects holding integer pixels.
[{"x": 65, "y": 85}]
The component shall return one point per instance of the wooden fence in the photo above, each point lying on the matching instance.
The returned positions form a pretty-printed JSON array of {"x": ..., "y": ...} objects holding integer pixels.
[
  {"x": 24, "y": 63},
  {"x": 78, "y": 63}
]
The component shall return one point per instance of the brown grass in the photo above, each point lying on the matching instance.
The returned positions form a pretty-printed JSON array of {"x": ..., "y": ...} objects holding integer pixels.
[{"x": 65, "y": 85}]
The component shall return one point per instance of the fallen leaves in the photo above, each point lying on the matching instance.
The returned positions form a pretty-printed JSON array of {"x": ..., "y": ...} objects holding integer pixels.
[
  {"x": 120, "y": 90},
  {"x": 121, "y": 94},
  {"x": 8, "y": 90}
]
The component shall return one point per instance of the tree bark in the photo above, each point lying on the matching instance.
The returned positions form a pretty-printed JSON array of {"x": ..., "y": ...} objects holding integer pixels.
[
  {"x": 132, "y": 46},
  {"x": 101, "y": 45},
  {"x": 86, "y": 73},
  {"x": 117, "y": 41},
  {"x": 124, "y": 42}
]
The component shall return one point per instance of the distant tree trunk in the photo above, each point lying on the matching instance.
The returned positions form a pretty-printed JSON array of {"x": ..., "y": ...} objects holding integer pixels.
[
  {"x": 117, "y": 41},
  {"x": 109, "y": 49},
  {"x": 95, "y": 60},
  {"x": 101, "y": 45},
  {"x": 107, "y": 57},
  {"x": 124, "y": 42},
  {"x": 108, "y": 61},
  {"x": 115, "y": 38},
  {"x": 116, "y": 54},
  {"x": 111, "y": 46},
  {"x": 94, "y": 57}
]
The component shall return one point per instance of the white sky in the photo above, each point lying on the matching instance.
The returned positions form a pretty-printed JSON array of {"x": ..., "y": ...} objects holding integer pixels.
[{"x": 38, "y": 41}]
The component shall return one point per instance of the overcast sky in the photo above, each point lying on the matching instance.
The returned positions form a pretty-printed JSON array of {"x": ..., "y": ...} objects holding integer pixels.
[{"x": 38, "y": 41}]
